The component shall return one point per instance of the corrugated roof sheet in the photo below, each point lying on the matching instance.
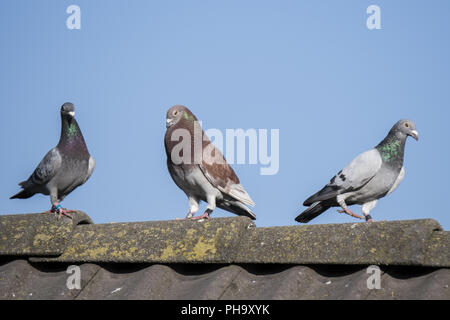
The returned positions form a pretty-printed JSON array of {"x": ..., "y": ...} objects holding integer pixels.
[{"x": 21, "y": 280}]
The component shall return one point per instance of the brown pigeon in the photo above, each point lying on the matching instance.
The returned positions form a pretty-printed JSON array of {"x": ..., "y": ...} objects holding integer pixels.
[{"x": 199, "y": 168}]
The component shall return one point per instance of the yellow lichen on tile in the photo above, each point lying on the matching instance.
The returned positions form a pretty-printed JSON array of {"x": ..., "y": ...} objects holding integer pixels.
[
  {"x": 201, "y": 249},
  {"x": 41, "y": 237}
]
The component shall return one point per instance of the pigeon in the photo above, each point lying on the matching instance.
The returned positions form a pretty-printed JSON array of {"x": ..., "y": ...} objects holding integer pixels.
[
  {"x": 64, "y": 168},
  {"x": 200, "y": 169},
  {"x": 372, "y": 175}
]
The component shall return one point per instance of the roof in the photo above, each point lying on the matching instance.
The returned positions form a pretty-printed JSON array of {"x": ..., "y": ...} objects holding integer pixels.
[{"x": 221, "y": 258}]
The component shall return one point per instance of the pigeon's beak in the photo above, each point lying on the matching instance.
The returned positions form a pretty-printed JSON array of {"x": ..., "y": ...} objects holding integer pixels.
[
  {"x": 415, "y": 135},
  {"x": 169, "y": 123},
  {"x": 72, "y": 113}
]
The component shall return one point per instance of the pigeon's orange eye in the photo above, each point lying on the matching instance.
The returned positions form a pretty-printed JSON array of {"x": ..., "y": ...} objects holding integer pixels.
[
  {"x": 175, "y": 112},
  {"x": 407, "y": 125}
]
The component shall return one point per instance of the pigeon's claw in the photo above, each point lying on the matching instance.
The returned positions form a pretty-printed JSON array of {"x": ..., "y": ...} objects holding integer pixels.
[
  {"x": 65, "y": 212},
  {"x": 350, "y": 213}
]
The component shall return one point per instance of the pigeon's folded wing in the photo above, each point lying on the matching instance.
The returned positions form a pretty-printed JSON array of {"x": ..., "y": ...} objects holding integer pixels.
[
  {"x": 222, "y": 176},
  {"x": 354, "y": 176},
  {"x": 47, "y": 168}
]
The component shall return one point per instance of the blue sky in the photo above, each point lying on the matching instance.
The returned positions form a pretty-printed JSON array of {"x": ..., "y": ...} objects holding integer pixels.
[{"x": 311, "y": 69}]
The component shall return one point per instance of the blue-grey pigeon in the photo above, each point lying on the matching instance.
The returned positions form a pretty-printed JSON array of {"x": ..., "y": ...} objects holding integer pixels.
[
  {"x": 372, "y": 175},
  {"x": 64, "y": 168}
]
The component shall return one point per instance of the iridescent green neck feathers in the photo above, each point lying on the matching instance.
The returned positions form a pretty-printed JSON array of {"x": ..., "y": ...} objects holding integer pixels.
[{"x": 392, "y": 148}]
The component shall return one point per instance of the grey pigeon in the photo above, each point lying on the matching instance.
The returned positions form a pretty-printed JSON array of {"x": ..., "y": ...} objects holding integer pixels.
[
  {"x": 372, "y": 175},
  {"x": 64, "y": 168},
  {"x": 200, "y": 169}
]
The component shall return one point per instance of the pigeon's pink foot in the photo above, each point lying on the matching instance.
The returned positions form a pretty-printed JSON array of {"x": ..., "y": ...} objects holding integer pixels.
[
  {"x": 203, "y": 216},
  {"x": 350, "y": 213},
  {"x": 190, "y": 215},
  {"x": 65, "y": 212},
  {"x": 56, "y": 208}
]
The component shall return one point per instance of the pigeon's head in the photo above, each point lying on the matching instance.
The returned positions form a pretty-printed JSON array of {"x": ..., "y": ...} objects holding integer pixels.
[
  {"x": 406, "y": 127},
  {"x": 178, "y": 113},
  {"x": 68, "y": 110}
]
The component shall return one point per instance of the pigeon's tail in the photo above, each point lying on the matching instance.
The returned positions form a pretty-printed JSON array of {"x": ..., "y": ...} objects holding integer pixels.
[
  {"x": 313, "y": 211},
  {"x": 237, "y": 208},
  {"x": 24, "y": 194},
  {"x": 328, "y": 192}
]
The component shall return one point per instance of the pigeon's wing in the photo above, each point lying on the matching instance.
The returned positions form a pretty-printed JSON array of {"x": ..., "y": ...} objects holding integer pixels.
[
  {"x": 47, "y": 168},
  {"x": 353, "y": 177},
  {"x": 221, "y": 175}
]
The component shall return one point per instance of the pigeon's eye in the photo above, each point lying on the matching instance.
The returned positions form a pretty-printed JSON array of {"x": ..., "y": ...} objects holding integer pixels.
[
  {"x": 175, "y": 113},
  {"x": 407, "y": 124}
]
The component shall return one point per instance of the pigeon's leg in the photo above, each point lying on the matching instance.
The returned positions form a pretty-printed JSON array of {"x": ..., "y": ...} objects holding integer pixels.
[
  {"x": 209, "y": 209},
  {"x": 53, "y": 200},
  {"x": 366, "y": 209},
  {"x": 346, "y": 210},
  {"x": 57, "y": 208},
  {"x": 193, "y": 207},
  {"x": 350, "y": 213}
]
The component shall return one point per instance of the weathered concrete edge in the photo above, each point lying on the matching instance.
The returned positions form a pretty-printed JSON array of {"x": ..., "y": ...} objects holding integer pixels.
[
  {"x": 411, "y": 243},
  {"x": 204, "y": 241},
  {"x": 38, "y": 234},
  {"x": 438, "y": 251},
  {"x": 406, "y": 242}
]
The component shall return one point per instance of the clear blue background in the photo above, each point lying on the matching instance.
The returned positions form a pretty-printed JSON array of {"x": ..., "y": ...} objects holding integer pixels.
[{"x": 309, "y": 68}]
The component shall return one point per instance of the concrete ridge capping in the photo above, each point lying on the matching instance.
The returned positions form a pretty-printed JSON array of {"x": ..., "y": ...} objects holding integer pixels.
[
  {"x": 40, "y": 234},
  {"x": 43, "y": 238}
]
